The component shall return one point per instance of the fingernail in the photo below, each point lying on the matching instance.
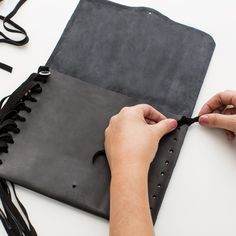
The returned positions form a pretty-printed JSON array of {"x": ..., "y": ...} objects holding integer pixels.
[
  {"x": 173, "y": 124},
  {"x": 203, "y": 120}
]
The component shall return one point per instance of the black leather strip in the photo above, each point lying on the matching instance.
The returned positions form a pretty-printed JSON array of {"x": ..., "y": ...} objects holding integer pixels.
[
  {"x": 15, "y": 29},
  {"x": 31, "y": 227},
  {"x": 12, "y": 220},
  {"x": 6, "y": 67}
]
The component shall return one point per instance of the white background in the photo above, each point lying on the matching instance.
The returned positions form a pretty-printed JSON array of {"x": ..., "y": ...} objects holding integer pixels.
[{"x": 201, "y": 197}]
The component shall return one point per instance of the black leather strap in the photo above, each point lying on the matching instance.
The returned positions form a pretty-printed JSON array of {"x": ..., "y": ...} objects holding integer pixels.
[{"x": 15, "y": 29}]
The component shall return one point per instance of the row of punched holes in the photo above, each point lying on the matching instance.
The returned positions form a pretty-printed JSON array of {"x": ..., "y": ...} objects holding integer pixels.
[{"x": 171, "y": 151}]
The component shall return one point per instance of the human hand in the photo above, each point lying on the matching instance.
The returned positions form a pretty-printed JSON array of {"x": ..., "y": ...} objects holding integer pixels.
[
  {"x": 133, "y": 135},
  {"x": 220, "y": 112}
]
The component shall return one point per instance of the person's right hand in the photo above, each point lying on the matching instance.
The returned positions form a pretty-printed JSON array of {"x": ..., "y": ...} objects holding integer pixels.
[
  {"x": 133, "y": 135},
  {"x": 220, "y": 112}
]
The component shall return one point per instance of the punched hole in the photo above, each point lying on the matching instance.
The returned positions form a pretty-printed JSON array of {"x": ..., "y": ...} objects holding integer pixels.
[
  {"x": 171, "y": 151},
  {"x": 167, "y": 162},
  {"x": 73, "y": 186},
  {"x": 154, "y": 196},
  {"x": 159, "y": 185},
  {"x": 0, "y": 162},
  {"x": 162, "y": 173}
]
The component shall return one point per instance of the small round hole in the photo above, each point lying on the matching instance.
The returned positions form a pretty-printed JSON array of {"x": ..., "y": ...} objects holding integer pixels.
[
  {"x": 162, "y": 173},
  {"x": 159, "y": 185},
  {"x": 73, "y": 186},
  {"x": 167, "y": 162},
  {"x": 171, "y": 151},
  {"x": 154, "y": 196},
  {"x": 0, "y": 162}
]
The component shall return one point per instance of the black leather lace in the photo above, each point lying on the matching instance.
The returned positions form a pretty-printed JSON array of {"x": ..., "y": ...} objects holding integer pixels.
[
  {"x": 9, "y": 113},
  {"x": 14, "y": 29},
  {"x": 187, "y": 121},
  {"x": 11, "y": 218}
]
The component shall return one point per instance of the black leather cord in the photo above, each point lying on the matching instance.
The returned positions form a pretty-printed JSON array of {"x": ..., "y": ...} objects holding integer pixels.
[
  {"x": 187, "y": 121},
  {"x": 16, "y": 29}
]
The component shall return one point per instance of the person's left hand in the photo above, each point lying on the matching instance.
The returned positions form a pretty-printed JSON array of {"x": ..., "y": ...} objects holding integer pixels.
[{"x": 220, "y": 112}]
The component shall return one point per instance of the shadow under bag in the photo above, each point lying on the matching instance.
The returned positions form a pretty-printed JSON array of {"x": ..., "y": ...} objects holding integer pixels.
[{"x": 108, "y": 57}]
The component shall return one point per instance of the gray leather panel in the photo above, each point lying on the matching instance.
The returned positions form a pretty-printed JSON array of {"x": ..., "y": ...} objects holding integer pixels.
[
  {"x": 53, "y": 152},
  {"x": 131, "y": 51}
]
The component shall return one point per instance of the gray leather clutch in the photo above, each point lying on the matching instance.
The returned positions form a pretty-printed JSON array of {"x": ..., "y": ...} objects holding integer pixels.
[{"x": 109, "y": 56}]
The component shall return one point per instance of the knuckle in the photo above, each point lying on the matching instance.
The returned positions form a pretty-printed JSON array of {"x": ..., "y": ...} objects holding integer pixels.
[
  {"x": 220, "y": 94},
  {"x": 106, "y": 131},
  {"x": 113, "y": 119},
  {"x": 142, "y": 106},
  {"x": 125, "y": 109}
]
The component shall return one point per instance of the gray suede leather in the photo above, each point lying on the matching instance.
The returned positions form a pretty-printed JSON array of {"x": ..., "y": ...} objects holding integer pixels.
[
  {"x": 53, "y": 152},
  {"x": 129, "y": 50}
]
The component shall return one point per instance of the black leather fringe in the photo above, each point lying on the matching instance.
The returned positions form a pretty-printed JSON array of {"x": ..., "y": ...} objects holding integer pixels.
[{"x": 12, "y": 220}]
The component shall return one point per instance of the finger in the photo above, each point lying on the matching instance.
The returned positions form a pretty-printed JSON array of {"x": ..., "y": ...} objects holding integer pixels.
[
  {"x": 218, "y": 101},
  {"x": 164, "y": 126},
  {"x": 230, "y": 135},
  {"x": 148, "y": 112},
  {"x": 227, "y": 122}
]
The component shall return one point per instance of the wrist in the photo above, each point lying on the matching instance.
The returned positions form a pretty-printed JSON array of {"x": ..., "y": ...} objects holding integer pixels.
[{"x": 129, "y": 171}]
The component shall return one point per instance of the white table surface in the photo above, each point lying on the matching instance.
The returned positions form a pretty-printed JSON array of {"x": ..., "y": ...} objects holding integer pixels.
[{"x": 201, "y": 197}]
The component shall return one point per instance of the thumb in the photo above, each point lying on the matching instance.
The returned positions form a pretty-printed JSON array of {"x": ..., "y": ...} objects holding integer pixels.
[
  {"x": 164, "y": 126},
  {"x": 214, "y": 120}
]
